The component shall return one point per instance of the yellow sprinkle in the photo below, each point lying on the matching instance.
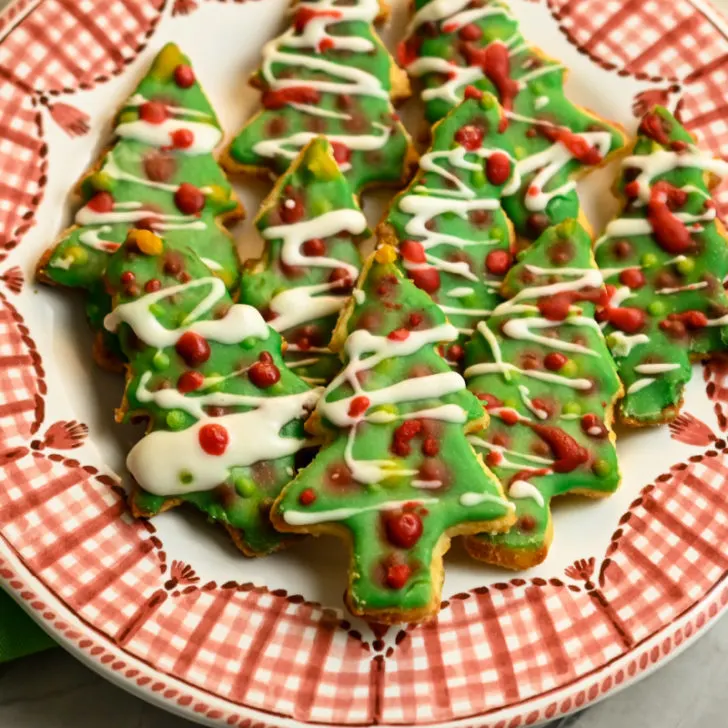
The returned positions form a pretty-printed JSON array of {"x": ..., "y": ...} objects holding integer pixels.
[
  {"x": 322, "y": 164},
  {"x": 168, "y": 59},
  {"x": 385, "y": 254},
  {"x": 146, "y": 241}
]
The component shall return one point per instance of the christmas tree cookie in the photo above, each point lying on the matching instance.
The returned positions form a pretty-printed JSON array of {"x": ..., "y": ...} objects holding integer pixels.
[
  {"x": 453, "y": 44},
  {"x": 665, "y": 258},
  {"x": 328, "y": 74},
  {"x": 396, "y": 476},
  {"x": 454, "y": 238},
  {"x": 160, "y": 175},
  {"x": 225, "y": 415},
  {"x": 542, "y": 369},
  {"x": 312, "y": 226}
]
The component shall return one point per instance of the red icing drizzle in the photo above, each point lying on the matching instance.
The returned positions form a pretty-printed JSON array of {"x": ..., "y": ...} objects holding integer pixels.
[
  {"x": 305, "y": 15},
  {"x": 669, "y": 232},
  {"x": 577, "y": 146},
  {"x": 566, "y": 450},
  {"x": 653, "y": 127},
  {"x": 293, "y": 95},
  {"x": 496, "y": 65}
]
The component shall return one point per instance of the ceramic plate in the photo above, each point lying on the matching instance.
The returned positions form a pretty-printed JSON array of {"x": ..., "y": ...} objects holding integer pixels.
[{"x": 169, "y": 609}]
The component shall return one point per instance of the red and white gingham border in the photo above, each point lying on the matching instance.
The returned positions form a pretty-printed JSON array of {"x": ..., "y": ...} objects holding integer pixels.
[{"x": 131, "y": 674}]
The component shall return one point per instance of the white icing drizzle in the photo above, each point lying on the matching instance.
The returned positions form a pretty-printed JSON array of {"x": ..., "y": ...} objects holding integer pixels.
[
  {"x": 213, "y": 265},
  {"x": 461, "y": 292},
  {"x": 655, "y": 368},
  {"x": 524, "y": 489},
  {"x": 159, "y": 459},
  {"x": 506, "y": 464},
  {"x": 239, "y": 322},
  {"x": 343, "y": 79},
  {"x": 364, "y": 351},
  {"x": 679, "y": 289},
  {"x": 621, "y": 344},
  {"x": 640, "y": 384},
  {"x": 530, "y": 406},
  {"x": 306, "y": 518},
  {"x": 306, "y": 303},
  {"x": 93, "y": 239},
  {"x": 471, "y": 499},
  {"x": 205, "y": 136},
  {"x": 125, "y": 212}
]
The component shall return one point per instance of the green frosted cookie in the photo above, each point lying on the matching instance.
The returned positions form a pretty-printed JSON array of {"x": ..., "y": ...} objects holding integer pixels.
[
  {"x": 455, "y": 44},
  {"x": 542, "y": 369},
  {"x": 160, "y": 175},
  {"x": 225, "y": 414},
  {"x": 328, "y": 74},
  {"x": 312, "y": 227},
  {"x": 454, "y": 239},
  {"x": 665, "y": 259},
  {"x": 396, "y": 476}
]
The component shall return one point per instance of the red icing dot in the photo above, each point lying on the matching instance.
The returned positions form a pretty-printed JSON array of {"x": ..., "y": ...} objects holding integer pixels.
[
  {"x": 264, "y": 373},
  {"x": 153, "y": 112},
  {"x": 629, "y": 320},
  {"x": 414, "y": 320},
  {"x": 325, "y": 44},
  {"x": 430, "y": 447},
  {"x": 676, "y": 323},
  {"x": 509, "y": 416},
  {"x": 342, "y": 153},
  {"x": 307, "y": 497},
  {"x": 593, "y": 426},
  {"x": 127, "y": 277},
  {"x": 190, "y": 381},
  {"x": 533, "y": 191},
  {"x": 342, "y": 277},
  {"x": 182, "y": 138},
  {"x": 412, "y": 251},
  {"x": 489, "y": 399},
  {"x": 398, "y": 335},
  {"x": 184, "y": 76},
  {"x": 189, "y": 199},
  {"x": 427, "y": 279},
  {"x": 470, "y": 32},
  {"x": 101, "y": 202},
  {"x": 152, "y": 285},
  {"x": 193, "y": 349},
  {"x": 498, "y": 168},
  {"x": 654, "y": 127},
  {"x": 314, "y": 248},
  {"x": 556, "y": 307},
  {"x": 470, "y": 136},
  {"x": 554, "y": 361},
  {"x": 398, "y": 575},
  {"x": 456, "y": 353},
  {"x": 159, "y": 166},
  {"x": 632, "y": 277},
  {"x": 498, "y": 262},
  {"x": 632, "y": 189},
  {"x": 358, "y": 406},
  {"x": 291, "y": 210},
  {"x": 473, "y": 93},
  {"x": 494, "y": 458},
  {"x": 213, "y": 439},
  {"x": 404, "y": 529}
]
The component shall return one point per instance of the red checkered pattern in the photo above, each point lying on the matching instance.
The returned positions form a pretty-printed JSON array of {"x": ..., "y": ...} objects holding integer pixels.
[
  {"x": 261, "y": 650},
  {"x": 20, "y": 386},
  {"x": 72, "y": 532},
  {"x": 671, "y": 550},
  {"x": 22, "y": 164},
  {"x": 496, "y": 648},
  {"x": 664, "y": 40},
  {"x": 66, "y": 44}
]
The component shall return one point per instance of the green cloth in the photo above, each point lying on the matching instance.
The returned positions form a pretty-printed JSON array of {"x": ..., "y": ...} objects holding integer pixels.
[{"x": 19, "y": 635}]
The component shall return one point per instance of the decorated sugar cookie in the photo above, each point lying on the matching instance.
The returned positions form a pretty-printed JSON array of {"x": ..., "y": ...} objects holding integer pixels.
[
  {"x": 328, "y": 74},
  {"x": 542, "y": 369},
  {"x": 396, "y": 476},
  {"x": 312, "y": 227},
  {"x": 666, "y": 259},
  {"x": 159, "y": 175},
  {"x": 225, "y": 414},
  {"x": 454, "y": 44},
  {"x": 454, "y": 239}
]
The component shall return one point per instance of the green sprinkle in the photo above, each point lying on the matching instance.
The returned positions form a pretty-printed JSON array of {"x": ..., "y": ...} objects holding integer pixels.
[
  {"x": 656, "y": 308},
  {"x": 648, "y": 260},
  {"x": 497, "y": 233},
  {"x": 175, "y": 420},
  {"x": 487, "y": 101},
  {"x": 478, "y": 178},
  {"x": 685, "y": 266},
  {"x": 101, "y": 181},
  {"x": 160, "y": 361},
  {"x": 520, "y": 152},
  {"x": 572, "y": 408},
  {"x": 511, "y": 403},
  {"x": 244, "y": 486},
  {"x": 601, "y": 467},
  {"x": 320, "y": 206},
  {"x": 569, "y": 369},
  {"x": 249, "y": 342},
  {"x": 185, "y": 477},
  {"x": 156, "y": 309},
  {"x": 126, "y": 117}
]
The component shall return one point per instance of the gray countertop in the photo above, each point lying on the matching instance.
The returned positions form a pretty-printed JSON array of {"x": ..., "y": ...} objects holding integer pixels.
[{"x": 53, "y": 690}]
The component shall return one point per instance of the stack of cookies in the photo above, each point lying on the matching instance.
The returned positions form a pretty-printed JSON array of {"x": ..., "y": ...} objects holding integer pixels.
[{"x": 461, "y": 376}]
